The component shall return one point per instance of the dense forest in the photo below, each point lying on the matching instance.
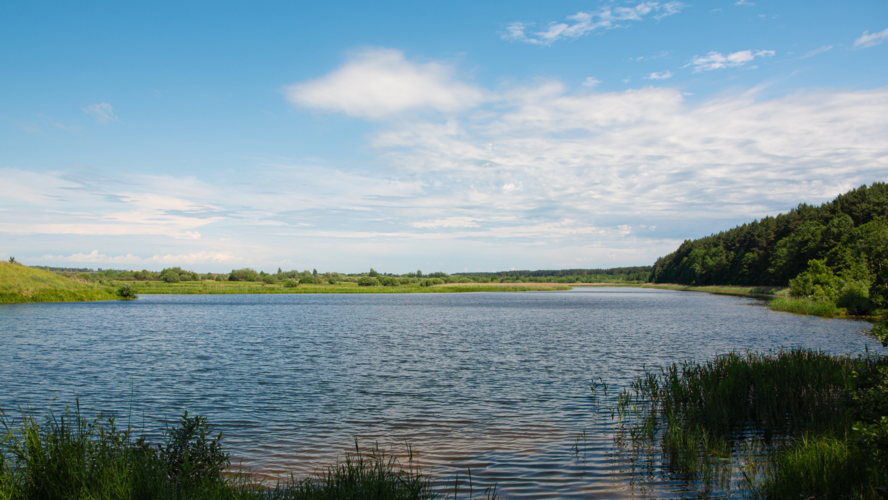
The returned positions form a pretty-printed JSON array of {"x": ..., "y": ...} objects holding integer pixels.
[{"x": 817, "y": 250}]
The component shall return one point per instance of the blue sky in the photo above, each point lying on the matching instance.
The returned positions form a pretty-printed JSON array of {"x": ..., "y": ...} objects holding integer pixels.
[{"x": 408, "y": 135}]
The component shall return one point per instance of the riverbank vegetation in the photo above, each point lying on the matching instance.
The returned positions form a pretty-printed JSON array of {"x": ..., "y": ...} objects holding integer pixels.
[
  {"x": 72, "y": 458},
  {"x": 833, "y": 257},
  {"x": 21, "y": 284},
  {"x": 792, "y": 424}
]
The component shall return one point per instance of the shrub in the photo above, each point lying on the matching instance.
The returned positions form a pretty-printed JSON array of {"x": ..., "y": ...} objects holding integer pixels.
[
  {"x": 290, "y": 283},
  {"x": 126, "y": 291},
  {"x": 308, "y": 279},
  {"x": 170, "y": 277},
  {"x": 818, "y": 282},
  {"x": 245, "y": 274},
  {"x": 268, "y": 279},
  {"x": 389, "y": 281},
  {"x": 332, "y": 281},
  {"x": 368, "y": 281}
]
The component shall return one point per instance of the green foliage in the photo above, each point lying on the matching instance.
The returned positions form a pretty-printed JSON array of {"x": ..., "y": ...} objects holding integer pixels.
[
  {"x": 126, "y": 291},
  {"x": 432, "y": 282},
  {"x": 309, "y": 279},
  {"x": 12, "y": 260},
  {"x": 849, "y": 233},
  {"x": 368, "y": 281},
  {"x": 245, "y": 274},
  {"x": 389, "y": 281},
  {"x": 170, "y": 277},
  {"x": 268, "y": 279},
  {"x": 372, "y": 273},
  {"x": 331, "y": 281},
  {"x": 290, "y": 283},
  {"x": 818, "y": 282}
]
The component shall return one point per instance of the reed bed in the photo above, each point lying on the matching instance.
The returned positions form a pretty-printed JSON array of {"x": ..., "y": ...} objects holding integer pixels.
[
  {"x": 71, "y": 458},
  {"x": 821, "y": 308},
  {"x": 760, "y": 425}
]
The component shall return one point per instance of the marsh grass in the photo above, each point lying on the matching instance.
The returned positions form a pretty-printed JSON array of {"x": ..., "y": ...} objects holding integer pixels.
[
  {"x": 824, "y": 309},
  {"x": 68, "y": 457},
  {"x": 761, "y": 424},
  {"x": 20, "y": 284}
]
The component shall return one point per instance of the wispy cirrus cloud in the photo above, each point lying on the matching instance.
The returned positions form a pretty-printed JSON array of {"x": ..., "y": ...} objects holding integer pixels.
[
  {"x": 716, "y": 60},
  {"x": 868, "y": 39},
  {"x": 103, "y": 112},
  {"x": 817, "y": 51},
  {"x": 378, "y": 82},
  {"x": 583, "y": 23}
]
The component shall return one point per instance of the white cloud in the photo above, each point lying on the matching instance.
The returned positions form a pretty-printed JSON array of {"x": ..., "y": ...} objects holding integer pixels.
[
  {"x": 744, "y": 2},
  {"x": 715, "y": 60},
  {"x": 103, "y": 112},
  {"x": 663, "y": 75},
  {"x": 591, "y": 82},
  {"x": 448, "y": 222},
  {"x": 868, "y": 39},
  {"x": 583, "y": 23},
  {"x": 95, "y": 257},
  {"x": 381, "y": 82},
  {"x": 819, "y": 50}
]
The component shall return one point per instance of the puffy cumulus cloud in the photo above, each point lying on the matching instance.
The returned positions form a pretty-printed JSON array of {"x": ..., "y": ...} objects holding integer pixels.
[
  {"x": 868, "y": 39},
  {"x": 716, "y": 60},
  {"x": 380, "y": 82},
  {"x": 103, "y": 112},
  {"x": 583, "y": 23}
]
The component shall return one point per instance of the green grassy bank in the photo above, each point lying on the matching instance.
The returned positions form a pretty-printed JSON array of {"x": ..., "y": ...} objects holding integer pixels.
[
  {"x": 240, "y": 287},
  {"x": 67, "y": 457},
  {"x": 20, "y": 284}
]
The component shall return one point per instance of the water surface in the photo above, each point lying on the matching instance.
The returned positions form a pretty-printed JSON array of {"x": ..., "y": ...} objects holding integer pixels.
[{"x": 495, "y": 382}]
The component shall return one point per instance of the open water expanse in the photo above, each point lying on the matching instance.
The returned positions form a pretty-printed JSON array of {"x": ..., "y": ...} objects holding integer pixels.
[{"x": 495, "y": 382}]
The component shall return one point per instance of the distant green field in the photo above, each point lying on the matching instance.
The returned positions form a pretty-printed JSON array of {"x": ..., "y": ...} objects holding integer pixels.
[
  {"x": 22, "y": 284},
  {"x": 240, "y": 287}
]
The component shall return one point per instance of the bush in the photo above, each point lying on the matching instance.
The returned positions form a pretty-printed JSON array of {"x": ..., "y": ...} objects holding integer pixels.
[
  {"x": 818, "y": 282},
  {"x": 432, "y": 282},
  {"x": 332, "y": 281},
  {"x": 245, "y": 274},
  {"x": 170, "y": 277},
  {"x": 268, "y": 279},
  {"x": 368, "y": 281},
  {"x": 309, "y": 279},
  {"x": 389, "y": 281},
  {"x": 126, "y": 291},
  {"x": 290, "y": 283}
]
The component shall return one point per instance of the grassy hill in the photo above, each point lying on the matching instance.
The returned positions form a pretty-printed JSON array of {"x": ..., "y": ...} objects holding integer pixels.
[{"x": 21, "y": 284}]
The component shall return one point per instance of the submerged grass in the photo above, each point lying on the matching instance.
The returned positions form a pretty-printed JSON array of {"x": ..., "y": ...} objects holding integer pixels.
[
  {"x": 767, "y": 426},
  {"x": 72, "y": 458},
  {"x": 20, "y": 284}
]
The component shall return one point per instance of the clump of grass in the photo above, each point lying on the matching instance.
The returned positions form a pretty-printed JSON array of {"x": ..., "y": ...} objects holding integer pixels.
[
  {"x": 705, "y": 422},
  {"x": 822, "y": 466},
  {"x": 71, "y": 458},
  {"x": 825, "y": 309}
]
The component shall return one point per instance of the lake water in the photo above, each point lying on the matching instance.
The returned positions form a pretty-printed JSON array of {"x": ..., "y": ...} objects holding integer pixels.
[{"x": 493, "y": 382}]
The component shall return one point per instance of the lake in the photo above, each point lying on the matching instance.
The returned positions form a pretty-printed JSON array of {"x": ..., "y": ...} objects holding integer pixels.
[{"x": 493, "y": 382}]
